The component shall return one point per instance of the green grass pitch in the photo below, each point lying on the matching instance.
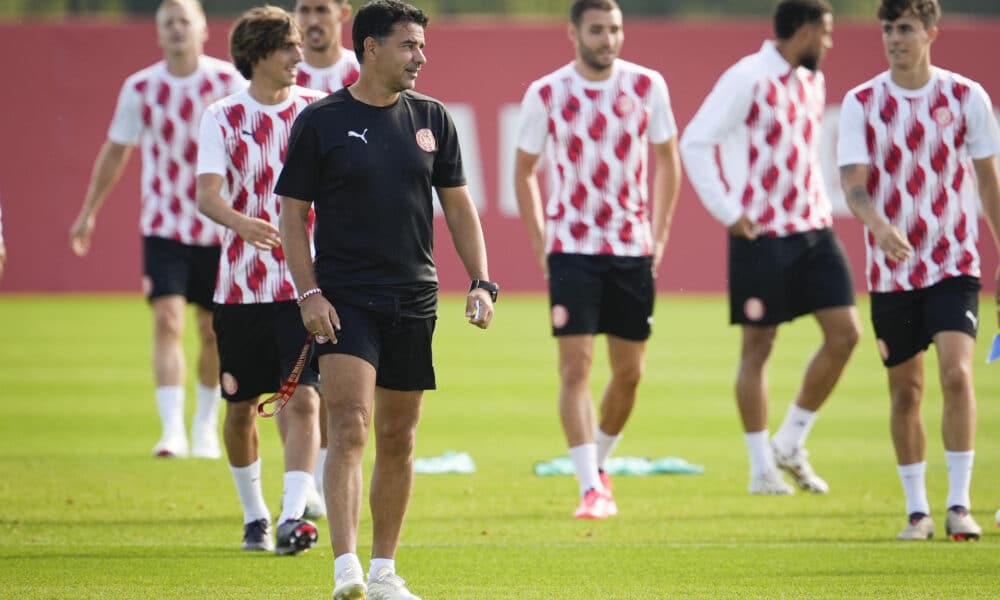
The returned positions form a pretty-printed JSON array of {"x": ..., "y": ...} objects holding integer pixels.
[{"x": 85, "y": 512}]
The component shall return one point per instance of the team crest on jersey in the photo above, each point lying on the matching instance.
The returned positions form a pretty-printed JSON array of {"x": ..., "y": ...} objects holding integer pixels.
[
  {"x": 229, "y": 383},
  {"x": 943, "y": 116},
  {"x": 624, "y": 105},
  {"x": 426, "y": 141}
]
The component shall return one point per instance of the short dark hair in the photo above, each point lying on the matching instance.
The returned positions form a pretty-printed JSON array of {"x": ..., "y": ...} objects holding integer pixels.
[
  {"x": 791, "y": 15},
  {"x": 377, "y": 19},
  {"x": 257, "y": 33},
  {"x": 580, "y": 6},
  {"x": 928, "y": 11}
]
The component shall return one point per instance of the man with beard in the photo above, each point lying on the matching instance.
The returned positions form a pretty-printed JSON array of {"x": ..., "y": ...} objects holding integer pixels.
[
  {"x": 752, "y": 154},
  {"x": 327, "y": 66},
  {"x": 910, "y": 141},
  {"x": 598, "y": 238}
]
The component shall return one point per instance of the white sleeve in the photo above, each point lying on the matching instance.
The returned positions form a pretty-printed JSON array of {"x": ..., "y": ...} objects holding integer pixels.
[
  {"x": 662, "y": 125},
  {"x": 532, "y": 122},
  {"x": 211, "y": 145},
  {"x": 722, "y": 112},
  {"x": 126, "y": 124},
  {"x": 852, "y": 149},
  {"x": 984, "y": 135}
]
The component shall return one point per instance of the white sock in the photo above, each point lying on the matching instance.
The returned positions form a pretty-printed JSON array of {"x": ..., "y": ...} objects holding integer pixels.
[
  {"x": 378, "y": 564},
  {"x": 207, "y": 406},
  {"x": 794, "y": 429},
  {"x": 959, "y": 477},
  {"x": 251, "y": 496},
  {"x": 913, "y": 478},
  {"x": 293, "y": 500},
  {"x": 584, "y": 459},
  {"x": 605, "y": 445},
  {"x": 170, "y": 403},
  {"x": 761, "y": 459},
  {"x": 345, "y": 562},
  {"x": 318, "y": 471}
]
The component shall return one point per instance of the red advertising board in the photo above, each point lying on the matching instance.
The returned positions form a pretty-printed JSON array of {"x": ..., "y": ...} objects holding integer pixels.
[{"x": 55, "y": 118}]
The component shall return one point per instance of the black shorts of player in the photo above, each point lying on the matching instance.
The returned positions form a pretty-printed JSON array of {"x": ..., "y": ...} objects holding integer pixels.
[
  {"x": 258, "y": 347},
  {"x": 173, "y": 268},
  {"x": 773, "y": 280},
  {"x": 601, "y": 294},
  {"x": 905, "y": 323},
  {"x": 398, "y": 346}
]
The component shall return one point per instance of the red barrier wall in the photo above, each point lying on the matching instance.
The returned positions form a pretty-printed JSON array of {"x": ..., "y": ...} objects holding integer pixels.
[{"x": 55, "y": 118}]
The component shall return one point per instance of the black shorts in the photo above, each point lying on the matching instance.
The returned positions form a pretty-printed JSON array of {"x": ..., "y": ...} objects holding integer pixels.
[
  {"x": 601, "y": 294},
  {"x": 905, "y": 323},
  {"x": 398, "y": 346},
  {"x": 773, "y": 280},
  {"x": 172, "y": 268},
  {"x": 258, "y": 347}
]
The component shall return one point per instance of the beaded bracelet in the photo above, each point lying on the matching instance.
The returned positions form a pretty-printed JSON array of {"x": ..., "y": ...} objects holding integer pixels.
[{"x": 306, "y": 294}]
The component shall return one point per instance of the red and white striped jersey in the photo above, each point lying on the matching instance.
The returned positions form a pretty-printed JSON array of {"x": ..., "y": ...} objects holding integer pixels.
[
  {"x": 753, "y": 146},
  {"x": 340, "y": 74},
  {"x": 919, "y": 146},
  {"x": 245, "y": 142},
  {"x": 595, "y": 135},
  {"x": 162, "y": 112}
]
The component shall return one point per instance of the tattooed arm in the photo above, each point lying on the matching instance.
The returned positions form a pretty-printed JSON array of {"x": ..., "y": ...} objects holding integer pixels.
[{"x": 854, "y": 180}]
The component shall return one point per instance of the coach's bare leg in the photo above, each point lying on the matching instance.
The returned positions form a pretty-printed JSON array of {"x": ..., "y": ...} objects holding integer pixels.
[
  {"x": 301, "y": 417},
  {"x": 841, "y": 331},
  {"x": 576, "y": 409},
  {"x": 627, "y": 359},
  {"x": 751, "y": 377},
  {"x": 208, "y": 355},
  {"x": 168, "y": 327},
  {"x": 958, "y": 422},
  {"x": 239, "y": 431},
  {"x": 906, "y": 390},
  {"x": 348, "y": 389},
  {"x": 396, "y": 416}
]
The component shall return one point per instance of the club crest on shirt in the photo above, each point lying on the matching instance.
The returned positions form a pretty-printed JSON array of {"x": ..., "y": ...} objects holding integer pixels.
[
  {"x": 624, "y": 105},
  {"x": 426, "y": 141},
  {"x": 943, "y": 116}
]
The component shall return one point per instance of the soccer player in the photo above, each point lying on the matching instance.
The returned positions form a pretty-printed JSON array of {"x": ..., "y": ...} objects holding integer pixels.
[
  {"x": 326, "y": 66},
  {"x": 764, "y": 117},
  {"x": 598, "y": 237},
  {"x": 372, "y": 294},
  {"x": 159, "y": 108},
  {"x": 917, "y": 142},
  {"x": 242, "y": 143}
]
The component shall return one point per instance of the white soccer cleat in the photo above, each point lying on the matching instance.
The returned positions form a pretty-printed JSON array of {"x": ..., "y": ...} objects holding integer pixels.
[
  {"x": 351, "y": 584},
  {"x": 386, "y": 585},
  {"x": 960, "y": 525},
  {"x": 171, "y": 446},
  {"x": 919, "y": 527},
  {"x": 797, "y": 465},
  {"x": 770, "y": 483},
  {"x": 205, "y": 441}
]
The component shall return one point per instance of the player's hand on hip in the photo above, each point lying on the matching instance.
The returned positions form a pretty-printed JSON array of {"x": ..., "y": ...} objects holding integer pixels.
[
  {"x": 744, "y": 228},
  {"x": 259, "y": 233},
  {"x": 479, "y": 308},
  {"x": 320, "y": 318}
]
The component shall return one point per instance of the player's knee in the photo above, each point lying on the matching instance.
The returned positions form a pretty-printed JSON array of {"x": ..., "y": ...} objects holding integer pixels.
[
  {"x": 168, "y": 324},
  {"x": 956, "y": 381},
  {"x": 348, "y": 427},
  {"x": 395, "y": 441}
]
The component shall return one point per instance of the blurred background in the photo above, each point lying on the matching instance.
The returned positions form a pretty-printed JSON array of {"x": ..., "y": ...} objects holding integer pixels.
[{"x": 17, "y": 9}]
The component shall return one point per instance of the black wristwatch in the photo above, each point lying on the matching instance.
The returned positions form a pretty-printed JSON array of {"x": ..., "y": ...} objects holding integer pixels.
[{"x": 489, "y": 286}]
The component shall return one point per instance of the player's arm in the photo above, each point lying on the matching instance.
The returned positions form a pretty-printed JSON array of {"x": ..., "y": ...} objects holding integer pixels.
[
  {"x": 318, "y": 315},
  {"x": 257, "y": 232},
  {"x": 854, "y": 181},
  {"x": 529, "y": 202},
  {"x": 108, "y": 168},
  {"x": 666, "y": 189},
  {"x": 989, "y": 194},
  {"x": 467, "y": 234}
]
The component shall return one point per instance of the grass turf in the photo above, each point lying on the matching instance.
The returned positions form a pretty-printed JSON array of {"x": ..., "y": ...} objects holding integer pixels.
[{"x": 86, "y": 513}]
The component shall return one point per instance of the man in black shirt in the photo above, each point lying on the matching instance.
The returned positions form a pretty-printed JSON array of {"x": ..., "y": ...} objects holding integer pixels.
[{"x": 366, "y": 158}]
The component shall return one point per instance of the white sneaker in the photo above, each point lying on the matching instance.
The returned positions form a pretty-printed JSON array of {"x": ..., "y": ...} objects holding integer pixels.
[
  {"x": 386, "y": 585},
  {"x": 204, "y": 441},
  {"x": 171, "y": 446},
  {"x": 351, "y": 585},
  {"x": 797, "y": 465},
  {"x": 315, "y": 505},
  {"x": 770, "y": 484}
]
